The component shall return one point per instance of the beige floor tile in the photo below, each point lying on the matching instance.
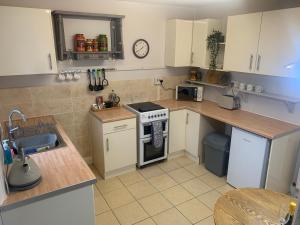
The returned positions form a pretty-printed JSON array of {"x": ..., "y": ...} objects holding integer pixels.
[
  {"x": 194, "y": 210},
  {"x": 95, "y": 171},
  {"x": 148, "y": 221},
  {"x": 96, "y": 191},
  {"x": 141, "y": 189},
  {"x": 169, "y": 165},
  {"x": 131, "y": 178},
  {"x": 107, "y": 218},
  {"x": 151, "y": 171},
  {"x": 213, "y": 180},
  {"x": 181, "y": 175},
  {"x": 162, "y": 182},
  {"x": 197, "y": 170},
  {"x": 196, "y": 187},
  {"x": 184, "y": 161},
  {"x": 207, "y": 221},
  {"x": 225, "y": 188},
  {"x": 210, "y": 198},
  {"x": 100, "y": 205},
  {"x": 118, "y": 198},
  {"x": 177, "y": 195},
  {"x": 155, "y": 204},
  {"x": 130, "y": 214},
  {"x": 109, "y": 185},
  {"x": 170, "y": 217}
]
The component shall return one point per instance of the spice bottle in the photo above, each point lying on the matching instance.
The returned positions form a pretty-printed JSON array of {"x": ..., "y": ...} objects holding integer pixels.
[
  {"x": 79, "y": 43},
  {"x": 103, "y": 43},
  {"x": 89, "y": 45}
]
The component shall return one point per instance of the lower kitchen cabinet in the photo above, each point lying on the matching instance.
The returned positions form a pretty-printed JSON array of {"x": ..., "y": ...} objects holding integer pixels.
[
  {"x": 74, "y": 207},
  {"x": 192, "y": 133},
  {"x": 114, "y": 146},
  {"x": 177, "y": 131}
]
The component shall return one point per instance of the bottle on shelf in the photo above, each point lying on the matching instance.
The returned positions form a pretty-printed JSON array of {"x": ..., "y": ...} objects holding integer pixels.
[{"x": 290, "y": 216}]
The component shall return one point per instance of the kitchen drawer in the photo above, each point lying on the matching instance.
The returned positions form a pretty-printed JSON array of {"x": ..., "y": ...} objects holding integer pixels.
[{"x": 119, "y": 126}]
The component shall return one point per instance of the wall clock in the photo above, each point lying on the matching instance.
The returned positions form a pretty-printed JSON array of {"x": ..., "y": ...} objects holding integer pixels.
[{"x": 140, "y": 48}]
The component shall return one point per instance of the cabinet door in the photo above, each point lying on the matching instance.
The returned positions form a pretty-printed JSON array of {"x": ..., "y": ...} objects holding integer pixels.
[
  {"x": 177, "y": 131},
  {"x": 279, "y": 44},
  {"x": 199, "y": 48},
  {"x": 120, "y": 149},
  {"x": 27, "y": 43},
  {"x": 192, "y": 133},
  {"x": 178, "y": 43},
  {"x": 242, "y": 42}
]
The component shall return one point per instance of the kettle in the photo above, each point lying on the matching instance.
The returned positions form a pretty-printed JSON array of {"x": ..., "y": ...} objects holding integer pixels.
[{"x": 114, "y": 98}]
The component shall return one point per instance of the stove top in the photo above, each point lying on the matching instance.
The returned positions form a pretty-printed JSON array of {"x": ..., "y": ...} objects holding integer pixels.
[{"x": 145, "y": 107}]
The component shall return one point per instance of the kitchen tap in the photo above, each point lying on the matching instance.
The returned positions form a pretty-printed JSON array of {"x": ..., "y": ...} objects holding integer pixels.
[{"x": 11, "y": 129}]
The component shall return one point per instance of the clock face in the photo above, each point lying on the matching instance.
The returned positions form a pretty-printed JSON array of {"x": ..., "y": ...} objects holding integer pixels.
[{"x": 140, "y": 48}]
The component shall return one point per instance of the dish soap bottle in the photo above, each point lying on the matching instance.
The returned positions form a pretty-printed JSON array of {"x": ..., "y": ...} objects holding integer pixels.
[{"x": 290, "y": 216}]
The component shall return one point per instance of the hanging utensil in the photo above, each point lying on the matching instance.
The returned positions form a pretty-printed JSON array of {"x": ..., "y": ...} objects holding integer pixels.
[
  {"x": 100, "y": 86},
  {"x": 104, "y": 81},
  {"x": 95, "y": 79},
  {"x": 91, "y": 87}
]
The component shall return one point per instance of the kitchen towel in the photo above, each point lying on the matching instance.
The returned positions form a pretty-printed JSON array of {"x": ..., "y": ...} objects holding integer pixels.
[{"x": 157, "y": 134}]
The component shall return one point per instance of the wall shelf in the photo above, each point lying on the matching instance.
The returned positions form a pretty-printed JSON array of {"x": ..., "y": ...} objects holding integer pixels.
[
  {"x": 206, "y": 84},
  {"x": 290, "y": 102},
  {"x": 115, "y": 27}
]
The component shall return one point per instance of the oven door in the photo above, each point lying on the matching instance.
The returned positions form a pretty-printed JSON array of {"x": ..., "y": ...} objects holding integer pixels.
[
  {"x": 148, "y": 153},
  {"x": 186, "y": 93},
  {"x": 146, "y": 129}
]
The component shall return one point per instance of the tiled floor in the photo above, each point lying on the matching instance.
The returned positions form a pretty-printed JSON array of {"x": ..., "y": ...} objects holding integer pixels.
[{"x": 175, "y": 192}]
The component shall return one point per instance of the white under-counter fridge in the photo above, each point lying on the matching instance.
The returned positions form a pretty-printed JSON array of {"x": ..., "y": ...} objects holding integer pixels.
[{"x": 248, "y": 159}]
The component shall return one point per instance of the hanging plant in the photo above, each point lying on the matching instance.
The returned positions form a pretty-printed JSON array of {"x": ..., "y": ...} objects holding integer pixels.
[{"x": 213, "y": 45}]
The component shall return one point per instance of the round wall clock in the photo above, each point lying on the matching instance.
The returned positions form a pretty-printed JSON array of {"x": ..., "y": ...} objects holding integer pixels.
[{"x": 140, "y": 48}]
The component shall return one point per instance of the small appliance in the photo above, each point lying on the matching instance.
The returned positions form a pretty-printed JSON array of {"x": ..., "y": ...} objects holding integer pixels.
[
  {"x": 189, "y": 92},
  {"x": 229, "y": 102}
]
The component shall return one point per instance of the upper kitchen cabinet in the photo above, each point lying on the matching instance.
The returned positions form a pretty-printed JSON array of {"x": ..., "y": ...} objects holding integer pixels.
[
  {"x": 279, "y": 44},
  {"x": 27, "y": 43},
  {"x": 201, "y": 30},
  {"x": 241, "y": 42},
  {"x": 178, "y": 43}
]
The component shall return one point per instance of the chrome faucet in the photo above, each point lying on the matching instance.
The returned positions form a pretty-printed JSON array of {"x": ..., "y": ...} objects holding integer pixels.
[{"x": 11, "y": 129}]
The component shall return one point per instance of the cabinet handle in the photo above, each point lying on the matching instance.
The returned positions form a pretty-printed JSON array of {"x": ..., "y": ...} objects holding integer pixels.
[
  {"x": 121, "y": 126},
  {"x": 192, "y": 57},
  {"x": 258, "y": 63},
  {"x": 50, "y": 61},
  {"x": 251, "y": 62},
  {"x": 187, "y": 119},
  {"x": 107, "y": 144}
]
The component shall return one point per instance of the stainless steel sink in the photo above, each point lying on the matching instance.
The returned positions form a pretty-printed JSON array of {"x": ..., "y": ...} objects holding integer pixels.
[{"x": 38, "y": 143}]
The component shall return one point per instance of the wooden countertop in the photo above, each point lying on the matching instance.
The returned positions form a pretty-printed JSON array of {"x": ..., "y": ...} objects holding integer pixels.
[
  {"x": 62, "y": 170},
  {"x": 251, "y": 206},
  {"x": 113, "y": 114},
  {"x": 261, "y": 125}
]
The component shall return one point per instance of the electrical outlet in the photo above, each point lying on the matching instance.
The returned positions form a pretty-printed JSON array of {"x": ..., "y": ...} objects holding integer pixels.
[{"x": 156, "y": 80}]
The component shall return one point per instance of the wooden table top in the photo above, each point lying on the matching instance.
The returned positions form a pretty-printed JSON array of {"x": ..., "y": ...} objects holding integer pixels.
[
  {"x": 113, "y": 114},
  {"x": 62, "y": 170},
  {"x": 261, "y": 125},
  {"x": 251, "y": 206}
]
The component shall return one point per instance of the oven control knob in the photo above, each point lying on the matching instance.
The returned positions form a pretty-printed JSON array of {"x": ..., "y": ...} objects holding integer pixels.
[
  {"x": 155, "y": 116},
  {"x": 148, "y": 117},
  {"x": 151, "y": 116}
]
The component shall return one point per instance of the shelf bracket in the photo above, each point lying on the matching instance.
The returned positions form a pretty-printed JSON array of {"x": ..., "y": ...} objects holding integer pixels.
[{"x": 290, "y": 106}]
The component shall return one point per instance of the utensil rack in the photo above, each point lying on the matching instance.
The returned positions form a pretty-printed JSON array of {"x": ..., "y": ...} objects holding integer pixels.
[{"x": 116, "y": 52}]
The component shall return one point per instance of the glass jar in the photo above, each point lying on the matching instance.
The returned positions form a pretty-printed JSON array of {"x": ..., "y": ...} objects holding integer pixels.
[
  {"x": 95, "y": 45},
  {"x": 89, "y": 45},
  {"x": 79, "y": 43},
  {"x": 103, "y": 43}
]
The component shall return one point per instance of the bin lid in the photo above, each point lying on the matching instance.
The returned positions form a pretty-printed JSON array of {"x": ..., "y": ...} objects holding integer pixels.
[{"x": 217, "y": 141}]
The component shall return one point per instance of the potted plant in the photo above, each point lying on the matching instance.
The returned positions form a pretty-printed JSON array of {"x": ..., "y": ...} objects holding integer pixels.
[{"x": 213, "y": 45}]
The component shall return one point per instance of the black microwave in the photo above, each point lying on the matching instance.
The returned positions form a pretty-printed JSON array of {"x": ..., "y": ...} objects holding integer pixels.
[{"x": 189, "y": 92}]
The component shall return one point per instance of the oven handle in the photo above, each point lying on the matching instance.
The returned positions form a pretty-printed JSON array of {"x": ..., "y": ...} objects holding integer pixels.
[
  {"x": 147, "y": 140},
  {"x": 163, "y": 120}
]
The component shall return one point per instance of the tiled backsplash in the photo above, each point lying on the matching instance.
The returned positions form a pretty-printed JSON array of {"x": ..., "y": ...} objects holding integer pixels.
[{"x": 70, "y": 103}]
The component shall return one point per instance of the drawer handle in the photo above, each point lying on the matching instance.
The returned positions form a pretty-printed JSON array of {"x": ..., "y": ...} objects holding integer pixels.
[
  {"x": 251, "y": 61},
  {"x": 50, "y": 61},
  {"x": 121, "y": 126},
  {"x": 107, "y": 144},
  {"x": 187, "y": 119},
  {"x": 258, "y": 63}
]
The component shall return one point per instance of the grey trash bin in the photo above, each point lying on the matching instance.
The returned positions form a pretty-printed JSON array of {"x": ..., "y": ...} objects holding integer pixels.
[{"x": 216, "y": 150}]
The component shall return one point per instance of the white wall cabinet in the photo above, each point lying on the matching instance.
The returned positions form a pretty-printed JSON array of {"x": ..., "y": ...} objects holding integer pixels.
[
  {"x": 26, "y": 42},
  {"x": 279, "y": 43},
  {"x": 264, "y": 43},
  {"x": 114, "y": 146},
  {"x": 178, "y": 42},
  {"x": 242, "y": 42},
  {"x": 192, "y": 133},
  {"x": 201, "y": 30},
  {"x": 177, "y": 129}
]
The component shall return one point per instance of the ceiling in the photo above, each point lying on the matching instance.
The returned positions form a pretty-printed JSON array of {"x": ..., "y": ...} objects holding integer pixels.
[{"x": 184, "y": 2}]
